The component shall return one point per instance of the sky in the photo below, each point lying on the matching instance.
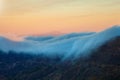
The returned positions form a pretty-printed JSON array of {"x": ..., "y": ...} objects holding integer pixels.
[{"x": 45, "y": 17}]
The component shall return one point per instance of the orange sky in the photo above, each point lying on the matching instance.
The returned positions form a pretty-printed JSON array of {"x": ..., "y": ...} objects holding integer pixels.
[{"x": 24, "y": 17}]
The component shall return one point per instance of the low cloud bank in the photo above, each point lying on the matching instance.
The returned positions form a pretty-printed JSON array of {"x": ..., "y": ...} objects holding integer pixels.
[{"x": 69, "y": 46}]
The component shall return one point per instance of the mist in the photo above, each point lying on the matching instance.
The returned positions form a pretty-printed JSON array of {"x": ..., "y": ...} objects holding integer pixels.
[{"x": 69, "y": 46}]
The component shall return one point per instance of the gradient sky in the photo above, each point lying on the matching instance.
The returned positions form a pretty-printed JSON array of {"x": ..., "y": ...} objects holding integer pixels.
[{"x": 34, "y": 17}]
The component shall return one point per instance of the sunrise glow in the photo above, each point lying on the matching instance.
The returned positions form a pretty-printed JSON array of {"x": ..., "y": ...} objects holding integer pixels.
[{"x": 36, "y": 17}]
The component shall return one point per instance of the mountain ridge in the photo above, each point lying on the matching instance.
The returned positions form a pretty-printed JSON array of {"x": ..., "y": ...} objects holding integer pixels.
[
  {"x": 71, "y": 45},
  {"x": 102, "y": 64}
]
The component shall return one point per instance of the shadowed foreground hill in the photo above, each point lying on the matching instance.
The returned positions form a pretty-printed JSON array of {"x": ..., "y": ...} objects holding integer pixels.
[{"x": 103, "y": 64}]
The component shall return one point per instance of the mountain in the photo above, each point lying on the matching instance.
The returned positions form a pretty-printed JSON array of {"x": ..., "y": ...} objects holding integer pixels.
[
  {"x": 18, "y": 46},
  {"x": 85, "y": 45},
  {"x": 102, "y": 64},
  {"x": 70, "y": 46},
  {"x": 69, "y": 36},
  {"x": 39, "y": 38}
]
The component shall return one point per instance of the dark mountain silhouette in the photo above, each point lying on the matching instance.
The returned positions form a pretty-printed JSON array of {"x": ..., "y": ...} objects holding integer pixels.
[{"x": 102, "y": 64}]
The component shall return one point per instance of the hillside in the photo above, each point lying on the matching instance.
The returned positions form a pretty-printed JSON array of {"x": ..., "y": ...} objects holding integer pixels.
[{"x": 102, "y": 64}]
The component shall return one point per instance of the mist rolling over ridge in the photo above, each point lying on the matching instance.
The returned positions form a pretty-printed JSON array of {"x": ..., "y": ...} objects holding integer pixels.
[
  {"x": 69, "y": 46},
  {"x": 59, "y": 39}
]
